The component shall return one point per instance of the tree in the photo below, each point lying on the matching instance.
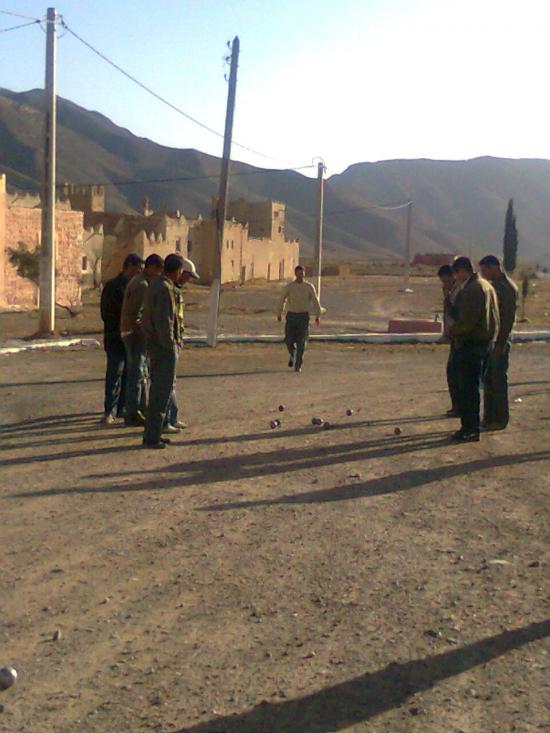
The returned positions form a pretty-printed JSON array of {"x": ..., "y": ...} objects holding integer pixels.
[
  {"x": 26, "y": 262},
  {"x": 510, "y": 245},
  {"x": 525, "y": 288}
]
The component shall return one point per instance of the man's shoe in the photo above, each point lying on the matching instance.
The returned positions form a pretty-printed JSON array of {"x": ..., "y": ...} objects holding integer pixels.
[
  {"x": 137, "y": 421},
  {"x": 181, "y": 425},
  {"x": 154, "y": 446},
  {"x": 297, "y": 368},
  {"x": 107, "y": 420},
  {"x": 171, "y": 429},
  {"x": 290, "y": 363},
  {"x": 491, "y": 427},
  {"x": 452, "y": 413},
  {"x": 165, "y": 440},
  {"x": 465, "y": 436}
]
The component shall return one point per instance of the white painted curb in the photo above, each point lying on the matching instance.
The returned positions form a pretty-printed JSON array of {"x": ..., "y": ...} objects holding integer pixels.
[{"x": 15, "y": 347}]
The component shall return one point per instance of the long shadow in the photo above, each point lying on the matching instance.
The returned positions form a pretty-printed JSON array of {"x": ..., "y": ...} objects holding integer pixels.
[
  {"x": 49, "y": 383},
  {"x": 362, "y": 698},
  {"x": 48, "y": 420},
  {"x": 527, "y": 384},
  {"x": 385, "y": 484},
  {"x": 242, "y": 467},
  {"x": 24, "y": 460},
  {"x": 213, "y": 375},
  {"x": 100, "y": 434}
]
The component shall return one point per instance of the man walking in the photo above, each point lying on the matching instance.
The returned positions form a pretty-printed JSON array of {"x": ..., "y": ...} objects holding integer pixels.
[
  {"x": 112, "y": 298},
  {"x": 163, "y": 329},
  {"x": 495, "y": 384},
  {"x": 134, "y": 341},
  {"x": 450, "y": 291},
  {"x": 476, "y": 326},
  {"x": 301, "y": 301}
]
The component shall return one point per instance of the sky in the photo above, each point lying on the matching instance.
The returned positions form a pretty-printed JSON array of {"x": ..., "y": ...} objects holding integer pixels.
[{"x": 347, "y": 81}]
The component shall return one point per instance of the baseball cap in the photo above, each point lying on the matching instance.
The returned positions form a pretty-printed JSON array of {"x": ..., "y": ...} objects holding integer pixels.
[{"x": 189, "y": 266}]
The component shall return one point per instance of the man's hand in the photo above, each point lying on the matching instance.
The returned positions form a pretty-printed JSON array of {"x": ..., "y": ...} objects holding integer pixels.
[
  {"x": 318, "y": 321},
  {"x": 279, "y": 318}
]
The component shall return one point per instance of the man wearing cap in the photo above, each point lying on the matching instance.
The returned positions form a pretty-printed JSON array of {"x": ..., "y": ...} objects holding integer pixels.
[
  {"x": 301, "y": 301},
  {"x": 495, "y": 382},
  {"x": 134, "y": 341},
  {"x": 112, "y": 298},
  {"x": 162, "y": 324},
  {"x": 475, "y": 328}
]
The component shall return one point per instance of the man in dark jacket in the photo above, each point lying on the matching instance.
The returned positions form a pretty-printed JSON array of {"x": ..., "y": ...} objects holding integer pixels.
[
  {"x": 495, "y": 383},
  {"x": 450, "y": 289},
  {"x": 473, "y": 332},
  {"x": 162, "y": 324},
  {"x": 112, "y": 298}
]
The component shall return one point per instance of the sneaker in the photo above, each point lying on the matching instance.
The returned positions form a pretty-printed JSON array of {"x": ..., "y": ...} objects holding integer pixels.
[
  {"x": 181, "y": 425},
  {"x": 107, "y": 420},
  {"x": 491, "y": 427},
  {"x": 155, "y": 446},
  {"x": 466, "y": 436},
  {"x": 297, "y": 369},
  {"x": 171, "y": 429},
  {"x": 137, "y": 421}
]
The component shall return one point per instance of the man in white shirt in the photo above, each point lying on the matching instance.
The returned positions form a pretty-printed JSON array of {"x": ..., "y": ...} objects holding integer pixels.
[{"x": 301, "y": 301}]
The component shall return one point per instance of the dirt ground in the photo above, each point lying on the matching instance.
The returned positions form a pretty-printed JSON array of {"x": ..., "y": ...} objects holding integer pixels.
[
  {"x": 296, "y": 580},
  {"x": 354, "y": 304}
]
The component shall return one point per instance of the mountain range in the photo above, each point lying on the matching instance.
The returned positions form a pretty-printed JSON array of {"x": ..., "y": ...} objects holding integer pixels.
[{"x": 458, "y": 206}]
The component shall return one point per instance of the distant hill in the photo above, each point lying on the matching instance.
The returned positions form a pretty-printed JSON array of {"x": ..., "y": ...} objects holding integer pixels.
[{"x": 459, "y": 206}]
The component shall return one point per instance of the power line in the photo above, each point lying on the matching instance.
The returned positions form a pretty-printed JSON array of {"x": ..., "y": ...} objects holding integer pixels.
[
  {"x": 21, "y": 25},
  {"x": 158, "y": 96},
  {"x": 370, "y": 205},
  {"x": 18, "y": 15}
]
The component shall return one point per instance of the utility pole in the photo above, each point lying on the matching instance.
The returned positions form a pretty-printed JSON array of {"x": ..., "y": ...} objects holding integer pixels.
[
  {"x": 406, "y": 285},
  {"x": 221, "y": 210},
  {"x": 47, "y": 246},
  {"x": 318, "y": 257}
]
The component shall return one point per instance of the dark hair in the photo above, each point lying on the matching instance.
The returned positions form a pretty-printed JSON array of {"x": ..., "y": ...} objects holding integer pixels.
[
  {"x": 153, "y": 260},
  {"x": 444, "y": 270},
  {"x": 463, "y": 263},
  {"x": 299, "y": 267},
  {"x": 131, "y": 259},
  {"x": 173, "y": 263},
  {"x": 490, "y": 261}
]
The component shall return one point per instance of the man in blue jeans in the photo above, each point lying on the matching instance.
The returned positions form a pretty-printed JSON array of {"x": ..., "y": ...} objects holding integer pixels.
[
  {"x": 496, "y": 413},
  {"x": 112, "y": 298},
  {"x": 473, "y": 332},
  {"x": 134, "y": 341},
  {"x": 162, "y": 325}
]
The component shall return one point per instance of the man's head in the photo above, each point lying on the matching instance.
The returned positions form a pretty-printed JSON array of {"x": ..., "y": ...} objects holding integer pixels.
[
  {"x": 154, "y": 265},
  {"x": 462, "y": 269},
  {"x": 447, "y": 277},
  {"x": 299, "y": 273},
  {"x": 490, "y": 267},
  {"x": 131, "y": 266},
  {"x": 189, "y": 271}
]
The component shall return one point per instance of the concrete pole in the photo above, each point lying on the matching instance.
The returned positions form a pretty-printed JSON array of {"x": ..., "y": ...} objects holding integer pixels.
[
  {"x": 318, "y": 256},
  {"x": 221, "y": 211},
  {"x": 47, "y": 246},
  {"x": 406, "y": 285}
]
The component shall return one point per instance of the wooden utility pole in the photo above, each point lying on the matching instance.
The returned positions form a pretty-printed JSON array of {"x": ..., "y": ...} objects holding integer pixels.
[
  {"x": 221, "y": 210},
  {"x": 47, "y": 245},
  {"x": 318, "y": 258},
  {"x": 406, "y": 285}
]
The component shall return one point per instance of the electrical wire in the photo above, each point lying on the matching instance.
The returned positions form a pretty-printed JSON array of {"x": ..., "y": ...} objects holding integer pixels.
[
  {"x": 19, "y": 15},
  {"x": 21, "y": 25},
  {"x": 158, "y": 96},
  {"x": 370, "y": 205}
]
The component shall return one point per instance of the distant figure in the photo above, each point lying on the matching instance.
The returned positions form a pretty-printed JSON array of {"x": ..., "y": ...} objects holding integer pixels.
[
  {"x": 134, "y": 341},
  {"x": 172, "y": 423},
  {"x": 496, "y": 411},
  {"x": 163, "y": 328},
  {"x": 112, "y": 298},
  {"x": 450, "y": 291},
  {"x": 473, "y": 332},
  {"x": 301, "y": 301}
]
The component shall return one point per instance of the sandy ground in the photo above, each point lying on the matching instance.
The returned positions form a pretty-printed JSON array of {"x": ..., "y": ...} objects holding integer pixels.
[
  {"x": 297, "y": 580},
  {"x": 354, "y": 304}
]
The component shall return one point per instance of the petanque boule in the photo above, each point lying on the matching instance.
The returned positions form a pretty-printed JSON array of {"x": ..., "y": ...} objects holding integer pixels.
[
  {"x": 275, "y": 424},
  {"x": 317, "y": 421},
  {"x": 281, "y": 408},
  {"x": 349, "y": 412},
  {"x": 8, "y": 677},
  {"x": 397, "y": 431}
]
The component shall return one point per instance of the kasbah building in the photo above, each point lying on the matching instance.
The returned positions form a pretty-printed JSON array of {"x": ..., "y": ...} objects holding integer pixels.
[{"x": 91, "y": 243}]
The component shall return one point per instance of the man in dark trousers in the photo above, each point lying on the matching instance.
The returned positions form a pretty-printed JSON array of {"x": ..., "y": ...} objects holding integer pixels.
[
  {"x": 112, "y": 298},
  {"x": 301, "y": 301},
  {"x": 473, "y": 332},
  {"x": 134, "y": 341},
  {"x": 495, "y": 384},
  {"x": 162, "y": 325},
  {"x": 450, "y": 291}
]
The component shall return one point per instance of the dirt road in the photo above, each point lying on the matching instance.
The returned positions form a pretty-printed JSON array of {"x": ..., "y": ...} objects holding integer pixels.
[{"x": 296, "y": 580}]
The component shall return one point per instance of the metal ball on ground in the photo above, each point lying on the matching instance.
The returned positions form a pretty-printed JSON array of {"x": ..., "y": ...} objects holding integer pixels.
[{"x": 8, "y": 677}]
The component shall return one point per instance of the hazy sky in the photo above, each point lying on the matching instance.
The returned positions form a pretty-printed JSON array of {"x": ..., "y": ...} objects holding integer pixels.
[{"x": 348, "y": 80}]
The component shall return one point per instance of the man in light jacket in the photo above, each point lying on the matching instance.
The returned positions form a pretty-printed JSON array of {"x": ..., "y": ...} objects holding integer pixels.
[{"x": 301, "y": 302}]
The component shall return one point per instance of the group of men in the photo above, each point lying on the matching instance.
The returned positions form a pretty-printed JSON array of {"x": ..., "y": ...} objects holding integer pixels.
[
  {"x": 479, "y": 314},
  {"x": 143, "y": 315}
]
